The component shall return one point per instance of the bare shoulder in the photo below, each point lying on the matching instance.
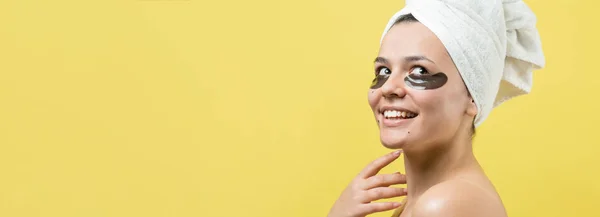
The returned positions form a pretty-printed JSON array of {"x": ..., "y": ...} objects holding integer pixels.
[{"x": 459, "y": 198}]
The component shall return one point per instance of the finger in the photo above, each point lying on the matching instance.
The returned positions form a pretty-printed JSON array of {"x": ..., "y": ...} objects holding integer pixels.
[
  {"x": 384, "y": 180},
  {"x": 382, "y": 193},
  {"x": 365, "y": 209},
  {"x": 374, "y": 167}
]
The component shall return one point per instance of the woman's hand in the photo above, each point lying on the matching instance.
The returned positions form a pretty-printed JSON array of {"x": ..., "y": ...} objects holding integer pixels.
[{"x": 356, "y": 199}]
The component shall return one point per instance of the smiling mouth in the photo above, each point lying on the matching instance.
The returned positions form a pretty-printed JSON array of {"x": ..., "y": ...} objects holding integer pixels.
[{"x": 397, "y": 114}]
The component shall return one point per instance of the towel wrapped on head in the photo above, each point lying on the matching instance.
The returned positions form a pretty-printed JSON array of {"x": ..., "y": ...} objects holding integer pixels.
[{"x": 494, "y": 44}]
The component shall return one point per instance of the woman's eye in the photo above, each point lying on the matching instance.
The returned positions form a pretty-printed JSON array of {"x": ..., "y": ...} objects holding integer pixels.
[
  {"x": 384, "y": 71},
  {"x": 418, "y": 71}
]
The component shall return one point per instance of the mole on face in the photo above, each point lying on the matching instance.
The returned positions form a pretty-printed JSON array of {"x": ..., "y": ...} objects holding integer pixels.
[
  {"x": 426, "y": 81},
  {"x": 379, "y": 81}
]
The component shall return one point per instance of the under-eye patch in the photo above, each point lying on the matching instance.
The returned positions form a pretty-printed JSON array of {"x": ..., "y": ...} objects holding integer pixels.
[{"x": 426, "y": 81}]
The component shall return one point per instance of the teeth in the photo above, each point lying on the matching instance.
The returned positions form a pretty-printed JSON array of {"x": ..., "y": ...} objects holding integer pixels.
[{"x": 398, "y": 114}]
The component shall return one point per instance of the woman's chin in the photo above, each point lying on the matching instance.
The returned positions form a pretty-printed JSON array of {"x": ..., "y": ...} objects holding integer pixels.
[
  {"x": 392, "y": 145},
  {"x": 394, "y": 140}
]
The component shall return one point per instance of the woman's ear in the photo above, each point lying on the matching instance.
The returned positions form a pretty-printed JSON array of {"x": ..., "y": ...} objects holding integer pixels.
[{"x": 472, "y": 107}]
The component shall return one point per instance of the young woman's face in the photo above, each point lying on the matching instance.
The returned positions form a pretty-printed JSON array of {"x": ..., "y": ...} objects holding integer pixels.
[{"x": 418, "y": 96}]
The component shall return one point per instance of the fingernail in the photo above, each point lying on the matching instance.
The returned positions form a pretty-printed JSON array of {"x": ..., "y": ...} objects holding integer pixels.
[
  {"x": 397, "y": 204},
  {"x": 397, "y": 153}
]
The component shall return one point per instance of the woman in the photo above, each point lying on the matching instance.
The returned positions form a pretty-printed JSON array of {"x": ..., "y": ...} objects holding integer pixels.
[{"x": 442, "y": 66}]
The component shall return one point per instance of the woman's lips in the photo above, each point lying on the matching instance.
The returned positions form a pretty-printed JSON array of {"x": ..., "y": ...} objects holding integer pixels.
[{"x": 395, "y": 121}]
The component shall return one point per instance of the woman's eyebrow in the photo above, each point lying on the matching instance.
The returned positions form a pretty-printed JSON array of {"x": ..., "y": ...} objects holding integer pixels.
[
  {"x": 417, "y": 58},
  {"x": 407, "y": 59},
  {"x": 381, "y": 60}
]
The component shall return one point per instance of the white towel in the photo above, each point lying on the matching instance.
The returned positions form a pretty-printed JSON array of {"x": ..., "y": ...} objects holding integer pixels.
[{"x": 494, "y": 44}]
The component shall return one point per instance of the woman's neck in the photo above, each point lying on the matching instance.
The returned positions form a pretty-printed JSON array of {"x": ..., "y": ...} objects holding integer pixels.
[{"x": 425, "y": 169}]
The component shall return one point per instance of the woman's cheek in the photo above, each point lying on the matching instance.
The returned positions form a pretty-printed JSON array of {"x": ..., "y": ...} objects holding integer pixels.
[
  {"x": 426, "y": 99},
  {"x": 373, "y": 97}
]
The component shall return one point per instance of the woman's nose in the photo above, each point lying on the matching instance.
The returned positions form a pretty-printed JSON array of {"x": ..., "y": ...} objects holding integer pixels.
[{"x": 394, "y": 87}]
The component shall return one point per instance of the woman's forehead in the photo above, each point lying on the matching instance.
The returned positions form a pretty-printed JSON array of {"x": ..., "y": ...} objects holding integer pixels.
[{"x": 412, "y": 39}]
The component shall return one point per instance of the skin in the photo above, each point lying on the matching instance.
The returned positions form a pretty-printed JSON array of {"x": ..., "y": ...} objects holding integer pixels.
[{"x": 442, "y": 174}]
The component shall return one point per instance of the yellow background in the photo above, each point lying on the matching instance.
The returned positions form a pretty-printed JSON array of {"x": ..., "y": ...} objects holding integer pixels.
[{"x": 255, "y": 108}]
